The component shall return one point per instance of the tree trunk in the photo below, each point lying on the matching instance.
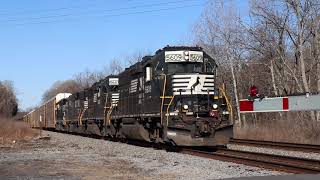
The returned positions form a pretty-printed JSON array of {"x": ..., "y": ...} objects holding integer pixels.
[
  {"x": 235, "y": 89},
  {"x": 299, "y": 50},
  {"x": 275, "y": 91},
  {"x": 317, "y": 57}
]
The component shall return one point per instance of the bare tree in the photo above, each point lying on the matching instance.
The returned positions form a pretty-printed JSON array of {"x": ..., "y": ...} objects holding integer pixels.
[
  {"x": 82, "y": 80},
  {"x": 135, "y": 57},
  {"x": 86, "y": 78},
  {"x": 294, "y": 22},
  {"x": 219, "y": 31},
  {"x": 114, "y": 67},
  {"x": 267, "y": 40},
  {"x": 315, "y": 29},
  {"x": 8, "y": 100},
  {"x": 68, "y": 86}
]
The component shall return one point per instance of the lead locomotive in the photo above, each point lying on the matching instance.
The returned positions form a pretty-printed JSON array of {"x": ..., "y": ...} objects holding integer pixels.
[{"x": 170, "y": 97}]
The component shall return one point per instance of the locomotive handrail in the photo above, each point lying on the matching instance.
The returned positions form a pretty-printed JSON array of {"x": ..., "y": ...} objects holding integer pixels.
[
  {"x": 109, "y": 115},
  {"x": 79, "y": 117},
  {"x": 105, "y": 110},
  {"x": 166, "y": 97},
  {"x": 163, "y": 96},
  {"x": 223, "y": 90},
  {"x": 168, "y": 109}
]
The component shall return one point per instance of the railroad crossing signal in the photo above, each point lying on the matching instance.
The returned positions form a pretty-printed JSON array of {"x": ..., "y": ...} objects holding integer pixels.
[{"x": 277, "y": 104}]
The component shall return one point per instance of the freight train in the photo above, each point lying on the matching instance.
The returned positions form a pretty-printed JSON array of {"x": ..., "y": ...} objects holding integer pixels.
[{"x": 170, "y": 97}]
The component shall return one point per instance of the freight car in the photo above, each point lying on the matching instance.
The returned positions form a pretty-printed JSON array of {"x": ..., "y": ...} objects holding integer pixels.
[
  {"x": 169, "y": 97},
  {"x": 45, "y": 115}
]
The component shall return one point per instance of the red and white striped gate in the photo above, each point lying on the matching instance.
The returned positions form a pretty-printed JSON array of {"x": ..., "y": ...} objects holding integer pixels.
[{"x": 278, "y": 104}]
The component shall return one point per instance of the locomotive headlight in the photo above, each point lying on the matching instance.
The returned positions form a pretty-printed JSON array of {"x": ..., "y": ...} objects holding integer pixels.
[
  {"x": 185, "y": 107},
  {"x": 215, "y": 106},
  {"x": 225, "y": 112}
]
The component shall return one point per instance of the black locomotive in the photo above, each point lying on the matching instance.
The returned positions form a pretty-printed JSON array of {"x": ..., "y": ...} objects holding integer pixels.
[{"x": 170, "y": 97}]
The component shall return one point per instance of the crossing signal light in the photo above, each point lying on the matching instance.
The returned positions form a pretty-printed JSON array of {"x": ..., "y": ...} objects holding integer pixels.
[{"x": 253, "y": 91}]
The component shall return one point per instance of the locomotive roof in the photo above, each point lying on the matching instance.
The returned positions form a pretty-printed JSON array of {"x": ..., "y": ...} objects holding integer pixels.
[
  {"x": 144, "y": 61},
  {"x": 179, "y": 48},
  {"x": 148, "y": 58}
]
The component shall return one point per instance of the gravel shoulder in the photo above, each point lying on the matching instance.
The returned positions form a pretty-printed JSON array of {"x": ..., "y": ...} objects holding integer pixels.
[{"x": 75, "y": 157}]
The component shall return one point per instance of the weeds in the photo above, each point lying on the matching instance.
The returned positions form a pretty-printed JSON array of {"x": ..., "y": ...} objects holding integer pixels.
[
  {"x": 12, "y": 131},
  {"x": 293, "y": 127}
]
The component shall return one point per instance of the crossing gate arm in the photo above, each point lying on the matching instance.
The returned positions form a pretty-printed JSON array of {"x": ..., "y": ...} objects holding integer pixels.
[{"x": 279, "y": 104}]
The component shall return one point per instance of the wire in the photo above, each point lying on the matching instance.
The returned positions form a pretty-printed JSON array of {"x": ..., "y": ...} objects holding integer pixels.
[
  {"x": 26, "y": 12},
  {"x": 53, "y": 9},
  {"x": 114, "y": 15},
  {"x": 95, "y": 12},
  {"x": 45, "y": 10}
]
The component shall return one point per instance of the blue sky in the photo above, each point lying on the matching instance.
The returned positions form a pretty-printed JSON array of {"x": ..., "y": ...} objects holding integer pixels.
[{"x": 42, "y": 41}]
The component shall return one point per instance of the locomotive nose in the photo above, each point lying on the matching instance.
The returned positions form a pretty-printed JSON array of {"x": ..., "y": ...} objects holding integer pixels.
[{"x": 204, "y": 127}]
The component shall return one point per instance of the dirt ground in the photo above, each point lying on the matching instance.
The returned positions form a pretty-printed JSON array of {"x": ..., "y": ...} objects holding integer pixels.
[
  {"x": 65, "y": 156},
  {"x": 44, "y": 159},
  {"x": 24, "y": 156}
]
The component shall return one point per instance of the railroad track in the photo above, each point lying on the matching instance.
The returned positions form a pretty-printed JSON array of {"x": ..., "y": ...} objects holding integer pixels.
[
  {"x": 277, "y": 145},
  {"x": 267, "y": 161}
]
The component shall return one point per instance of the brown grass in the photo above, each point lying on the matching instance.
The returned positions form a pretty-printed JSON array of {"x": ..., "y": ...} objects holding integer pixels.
[
  {"x": 11, "y": 130},
  {"x": 290, "y": 127}
]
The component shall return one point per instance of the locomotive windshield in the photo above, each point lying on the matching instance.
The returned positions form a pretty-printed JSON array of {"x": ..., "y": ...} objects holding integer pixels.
[
  {"x": 197, "y": 67},
  {"x": 184, "y": 68}
]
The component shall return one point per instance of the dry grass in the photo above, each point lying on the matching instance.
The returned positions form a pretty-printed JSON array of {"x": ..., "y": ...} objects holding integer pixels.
[
  {"x": 291, "y": 127},
  {"x": 12, "y": 131}
]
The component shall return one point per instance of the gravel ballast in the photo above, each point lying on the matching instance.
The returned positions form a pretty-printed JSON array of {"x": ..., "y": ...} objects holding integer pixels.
[
  {"x": 75, "y": 157},
  {"x": 280, "y": 152}
]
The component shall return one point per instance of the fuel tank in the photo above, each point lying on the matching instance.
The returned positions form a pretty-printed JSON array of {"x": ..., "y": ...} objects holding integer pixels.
[{"x": 135, "y": 131}]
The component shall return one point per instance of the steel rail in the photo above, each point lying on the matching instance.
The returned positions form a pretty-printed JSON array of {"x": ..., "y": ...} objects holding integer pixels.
[
  {"x": 267, "y": 161},
  {"x": 277, "y": 145}
]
